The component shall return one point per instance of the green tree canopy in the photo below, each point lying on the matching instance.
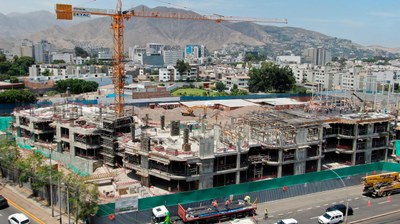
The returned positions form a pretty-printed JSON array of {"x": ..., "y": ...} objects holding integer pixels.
[
  {"x": 220, "y": 86},
  {"x": 271, "y": 78},
  {"x": 58, "y": 62},
  {"x": 17, "y": 96},
  {"x": 16, "y": 67},
  {"x": 81, "y": 53},
  {"x": 76, "y": 86},
  {"x": 182, "y": 67}
]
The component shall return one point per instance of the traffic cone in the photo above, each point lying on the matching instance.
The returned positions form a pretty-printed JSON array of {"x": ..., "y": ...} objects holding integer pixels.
[
  {"x": 369, "y": 203},
  {"x": 389, "y": 198}
]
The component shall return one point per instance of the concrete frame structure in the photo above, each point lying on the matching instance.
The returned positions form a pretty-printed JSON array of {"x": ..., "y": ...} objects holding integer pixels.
[{"x": 193, "y": 155}]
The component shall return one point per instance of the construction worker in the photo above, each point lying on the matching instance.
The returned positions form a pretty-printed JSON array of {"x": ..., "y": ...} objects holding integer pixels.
[
  {"x": 266, "y": 213},
  {"x": 227, "y": 203},
  {"x": 247, "y": 199},
  {"x": 215, "y": 204}
]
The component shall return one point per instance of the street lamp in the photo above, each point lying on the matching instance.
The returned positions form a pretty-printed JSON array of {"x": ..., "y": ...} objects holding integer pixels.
[
  {"x": 344, "y": 185},
  {"x": 51, "y": 184}
]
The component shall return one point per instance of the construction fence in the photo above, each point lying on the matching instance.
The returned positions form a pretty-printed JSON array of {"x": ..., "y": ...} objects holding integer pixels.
[{"x": 267, "y": 190}]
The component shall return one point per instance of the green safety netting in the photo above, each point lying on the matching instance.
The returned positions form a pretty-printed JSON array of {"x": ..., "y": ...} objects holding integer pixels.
[
  {"x": 5, "y": 122},
  {"x": 77, "y": 171},
  {"x": 397, "y": 146}
]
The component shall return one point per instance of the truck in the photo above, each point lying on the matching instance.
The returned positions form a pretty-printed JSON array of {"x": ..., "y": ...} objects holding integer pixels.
[
  {"x": 376, "y": 181},
  {"x": 204, "y": 214},
  {"x": 382, "y": 190}
]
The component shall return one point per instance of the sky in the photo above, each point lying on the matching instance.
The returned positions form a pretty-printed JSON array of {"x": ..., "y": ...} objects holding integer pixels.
[{"x": 366, "y": 22}]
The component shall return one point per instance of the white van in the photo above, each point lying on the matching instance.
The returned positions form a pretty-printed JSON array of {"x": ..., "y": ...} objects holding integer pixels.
[
  {"x": 287, "y": 221},
  {"x": 331, "y": 217}
]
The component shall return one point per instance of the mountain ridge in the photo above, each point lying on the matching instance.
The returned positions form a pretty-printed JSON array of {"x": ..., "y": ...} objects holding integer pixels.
[{"x": 139, "y": 31}]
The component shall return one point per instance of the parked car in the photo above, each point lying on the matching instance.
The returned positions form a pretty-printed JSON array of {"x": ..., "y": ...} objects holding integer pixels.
[
  {"x": 18, "y": 218},
  {"x": 3, "y": 202},
  {"x": 331, "y": 217},
  {"x": 287, "y": 221},
  {"x": 342, "y": 208}
]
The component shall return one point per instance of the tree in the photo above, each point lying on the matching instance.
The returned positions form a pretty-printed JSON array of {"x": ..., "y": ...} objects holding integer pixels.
[
  {"x": 46, "y": 72},
  {"x": 81, "y": 53},
  {"x": 271, "y": 77},
  {"x": 220, "y": 86},
  {"x": 58, "y": 62},
  {"x": 2, "y": 58},
  {"x": 76, "y": 86},
  {"x": 17, "y": 96},
  {"x": 182, "y": 67}
]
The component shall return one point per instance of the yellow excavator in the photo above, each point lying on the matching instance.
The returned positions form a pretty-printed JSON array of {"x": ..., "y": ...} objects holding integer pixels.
[{"x": 188, "y": 111}]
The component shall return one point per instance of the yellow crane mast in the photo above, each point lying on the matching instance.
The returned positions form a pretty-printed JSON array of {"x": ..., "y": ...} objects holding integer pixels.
[{"x": 67, "y": 12}]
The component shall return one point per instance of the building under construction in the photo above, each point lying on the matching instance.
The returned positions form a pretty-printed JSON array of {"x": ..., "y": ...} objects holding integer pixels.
[
  {"x": 80, "y": 137},
  {"x": 181, "y": 156}
]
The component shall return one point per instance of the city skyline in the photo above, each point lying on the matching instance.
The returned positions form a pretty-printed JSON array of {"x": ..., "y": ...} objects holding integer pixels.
[{"x": 367, "y": 22}]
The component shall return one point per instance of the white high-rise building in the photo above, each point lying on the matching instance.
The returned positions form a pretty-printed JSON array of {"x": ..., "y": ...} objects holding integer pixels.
[
  {"x": 195, "y": 53},
  {"x": 24, "y": 49},
  {"x": 42, "y": 52},
  {"x": 172, "y": 56},
  {"x": 154, "y": 48},
  {"x": 317, "y": 56}
]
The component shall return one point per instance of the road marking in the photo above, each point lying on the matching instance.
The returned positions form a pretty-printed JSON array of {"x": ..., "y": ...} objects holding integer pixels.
[
  {"x": 383, "y": 202},
  {"x": 333, "y": 203},
  {"x": 300, "y": 210},
  {"x": 356, "y": 208},
  {"x": 309, "y": 208},
  {"x": 1, "y": 214},
  {"x": 316, "y": 217},
  {"x": 289, "y": 212},
  {"x": 317, "y": 206},
  {"x": 271, "y": 216},
  {"x": 326, "y": 204},
  {"x": 25, "y": 211},
  {"x": 356, "y": 198},
  {"x": 349, "y": 199},
  {"x": 280, "y": 214},
  {"x": 341, "y": 201}
]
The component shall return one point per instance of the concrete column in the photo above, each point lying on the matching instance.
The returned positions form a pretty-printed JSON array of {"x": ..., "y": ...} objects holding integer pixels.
[
  {"x": 238, "y": 161},
  {"x": 353, "y": 155},
  {"x": 280, "y": 160}
]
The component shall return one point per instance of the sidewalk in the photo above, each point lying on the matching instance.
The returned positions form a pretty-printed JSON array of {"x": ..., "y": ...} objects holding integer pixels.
[{"x": 35, "y": 210}]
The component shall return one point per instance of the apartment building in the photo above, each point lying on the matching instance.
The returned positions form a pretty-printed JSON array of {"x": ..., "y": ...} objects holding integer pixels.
[{"x": 240, "y": 81}]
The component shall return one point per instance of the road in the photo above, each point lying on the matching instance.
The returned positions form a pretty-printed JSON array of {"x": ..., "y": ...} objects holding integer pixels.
[
  {"x": 307, "y": 208},
  {"x": 5, "y": 212},
  {"x": 388, "y": 219}
]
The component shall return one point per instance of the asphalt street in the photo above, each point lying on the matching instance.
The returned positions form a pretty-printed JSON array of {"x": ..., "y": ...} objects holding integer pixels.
[
  {"x": 307, "y": 208},
  {"x": 5, "y": 212}
]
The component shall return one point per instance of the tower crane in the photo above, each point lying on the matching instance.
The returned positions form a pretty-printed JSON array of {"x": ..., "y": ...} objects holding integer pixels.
[{"x": 67, "y": 12}]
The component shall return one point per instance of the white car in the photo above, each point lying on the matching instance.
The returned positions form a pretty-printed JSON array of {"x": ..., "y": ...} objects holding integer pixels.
[
  {"x": 287, "y": 221},
  {"x": 331, "y": 217},
  {"x": 18, "y": 218}
]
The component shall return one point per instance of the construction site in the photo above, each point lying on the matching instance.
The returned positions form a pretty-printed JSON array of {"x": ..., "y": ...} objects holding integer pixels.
[{"x": 160, "y": 151}]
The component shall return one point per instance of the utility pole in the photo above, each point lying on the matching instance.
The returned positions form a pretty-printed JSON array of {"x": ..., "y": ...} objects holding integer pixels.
[
  {"x": 51, "y": 183},
  {"x": 69, "y": 217},
  {"x": 60, "y": 197}
]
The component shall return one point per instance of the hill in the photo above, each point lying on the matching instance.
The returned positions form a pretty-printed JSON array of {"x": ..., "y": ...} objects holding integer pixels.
[{"x": 139, "y": 31}]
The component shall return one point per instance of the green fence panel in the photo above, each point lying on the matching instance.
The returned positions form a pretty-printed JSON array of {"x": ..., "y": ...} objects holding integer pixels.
[
  {"x": 106, "y": 209},
  {"x": 225, "y": 191},
  {"x": 392, "y": 167}
]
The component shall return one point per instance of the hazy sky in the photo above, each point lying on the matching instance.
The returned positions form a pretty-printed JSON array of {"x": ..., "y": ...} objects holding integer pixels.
[{"x": 365, "y": 22}]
